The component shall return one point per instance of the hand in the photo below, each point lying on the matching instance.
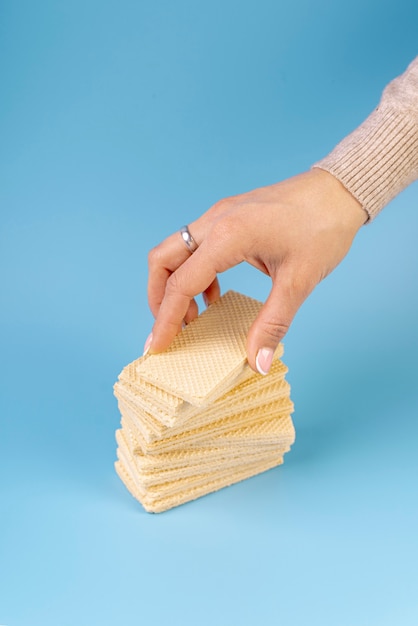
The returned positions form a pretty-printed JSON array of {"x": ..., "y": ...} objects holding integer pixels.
[{"x": 296, "y": 231}]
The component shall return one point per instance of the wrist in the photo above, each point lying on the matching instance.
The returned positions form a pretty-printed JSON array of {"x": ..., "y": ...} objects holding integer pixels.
[{"x": 342, "y": 201}]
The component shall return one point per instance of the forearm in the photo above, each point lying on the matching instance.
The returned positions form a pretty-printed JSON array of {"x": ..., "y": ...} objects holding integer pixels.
[{"x": 380, "y": 158}]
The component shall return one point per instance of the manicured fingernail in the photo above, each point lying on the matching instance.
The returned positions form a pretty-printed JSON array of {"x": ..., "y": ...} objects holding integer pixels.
[
  {"x": 205, "y": 299},
  {"x": 147, "y": 344},
  {"x": 263, "y": 360}
]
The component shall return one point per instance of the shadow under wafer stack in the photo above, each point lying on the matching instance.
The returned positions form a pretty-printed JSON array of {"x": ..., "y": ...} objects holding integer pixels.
[{"x": 197, "y": 418}]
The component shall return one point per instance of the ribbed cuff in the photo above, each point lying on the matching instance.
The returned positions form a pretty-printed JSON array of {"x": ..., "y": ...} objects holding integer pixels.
[{"x": 377, "y": 160}]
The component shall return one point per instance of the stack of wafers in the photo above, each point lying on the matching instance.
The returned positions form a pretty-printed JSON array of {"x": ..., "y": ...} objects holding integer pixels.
[{"x": 197, "y": 418}]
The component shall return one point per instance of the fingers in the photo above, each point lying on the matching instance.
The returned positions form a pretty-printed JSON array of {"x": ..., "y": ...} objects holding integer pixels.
[
  {"x": 274, "y": 319},
  {"x": 196, "y": 275},
  {"x": 172, "y": 299},
  {"x": 163, "y": 260},
  {"x": 212, "y": 293},
  {"x": 192, "y": 311}
]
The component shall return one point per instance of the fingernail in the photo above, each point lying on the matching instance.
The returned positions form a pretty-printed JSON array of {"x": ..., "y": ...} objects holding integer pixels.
[
  {"x": 147, "y": 344},
  {"x": 263, "y": 360},
  {"x": 205, "y": 299}
]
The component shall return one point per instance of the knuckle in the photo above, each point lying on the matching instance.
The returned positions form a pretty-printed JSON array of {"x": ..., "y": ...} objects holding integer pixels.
[
  {"x": 224, "y": 204},
  {"x": 173, "y": 285},
  {"x": 225, "y": 245},
  {"x": 220, "y": 228},
  {"x": 275, "y": 329},
  {"x": 155, "y": 256},
  {"x": 223, "y": 229},
  {"x": 178, "y": 285}
]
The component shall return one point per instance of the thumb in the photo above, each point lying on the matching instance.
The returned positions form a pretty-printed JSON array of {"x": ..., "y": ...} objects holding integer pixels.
[{"x": 273, "y": 320}]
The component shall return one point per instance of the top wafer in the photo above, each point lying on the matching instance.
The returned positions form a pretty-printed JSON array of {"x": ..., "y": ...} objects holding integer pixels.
[{"x": 206, "y": 357}]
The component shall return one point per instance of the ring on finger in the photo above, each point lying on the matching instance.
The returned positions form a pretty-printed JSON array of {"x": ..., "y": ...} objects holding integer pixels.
[{"x": 188, "y": 240}]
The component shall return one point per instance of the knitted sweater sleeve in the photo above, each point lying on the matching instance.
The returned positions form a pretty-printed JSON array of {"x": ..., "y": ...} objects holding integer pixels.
[{"x": 380, "y": 158}]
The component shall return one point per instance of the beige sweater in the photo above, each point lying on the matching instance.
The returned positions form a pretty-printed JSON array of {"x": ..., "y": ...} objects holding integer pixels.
[{"x": 380, "y": 158}]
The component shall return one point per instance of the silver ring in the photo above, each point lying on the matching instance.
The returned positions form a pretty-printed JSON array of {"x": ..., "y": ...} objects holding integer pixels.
[{"x": 192, "y": 246}]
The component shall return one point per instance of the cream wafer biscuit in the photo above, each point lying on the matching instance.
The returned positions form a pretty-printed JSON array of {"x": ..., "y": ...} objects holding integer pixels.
[
  {"x": 164, "y": 470},
  {"x": 166, "y": 407},
  {"x": 152, "y": 429},
  {"x": 170, "y": 408},
  {"x": 247, "y": 392},
  {"x": 281, "y": 407},
  {"x": 159, "y": 505},
  {"x": 186, "y": 457},
  {"x": 224, "y": 447},
  {"x": 217, "y": 453},
  {"x": 207, "y": 457},
  {"x": 196, "y": 418},
  {"x": 206, "y": 357},
  {"x": 228, "y": 447},
  {"x": 164, "y": 487},
  {"x": 220, "y": 439}
]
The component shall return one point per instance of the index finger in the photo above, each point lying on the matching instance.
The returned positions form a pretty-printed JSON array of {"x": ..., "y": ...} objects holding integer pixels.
[
  {"x": 194, "y": 276},
  {"x": 163, "y": 260}
]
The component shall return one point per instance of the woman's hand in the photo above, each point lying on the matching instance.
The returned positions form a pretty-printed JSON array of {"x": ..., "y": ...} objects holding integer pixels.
[{"x": 296, "y": 231}]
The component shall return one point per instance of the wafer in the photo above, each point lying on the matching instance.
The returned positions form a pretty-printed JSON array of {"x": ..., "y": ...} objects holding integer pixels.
[
  {"x": 159, "y": 403},
  {"x": 211, "y": 348},
  {"x": 196, "y": 418},
  {"x": 234, "y": 403},
  {"x": 170, "y": 468},
  {"x": 155, "y": 503}
]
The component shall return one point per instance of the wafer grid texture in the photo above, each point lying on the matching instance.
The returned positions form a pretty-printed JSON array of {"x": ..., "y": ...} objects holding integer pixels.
[{"x": 197, "y": 418}]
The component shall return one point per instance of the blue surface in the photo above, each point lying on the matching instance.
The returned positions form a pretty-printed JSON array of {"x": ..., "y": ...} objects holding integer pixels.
[{"x": 119, "y": 122}]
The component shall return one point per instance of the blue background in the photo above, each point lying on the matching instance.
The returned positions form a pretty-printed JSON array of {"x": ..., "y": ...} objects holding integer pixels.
[{"x": 119, "y": 122}]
